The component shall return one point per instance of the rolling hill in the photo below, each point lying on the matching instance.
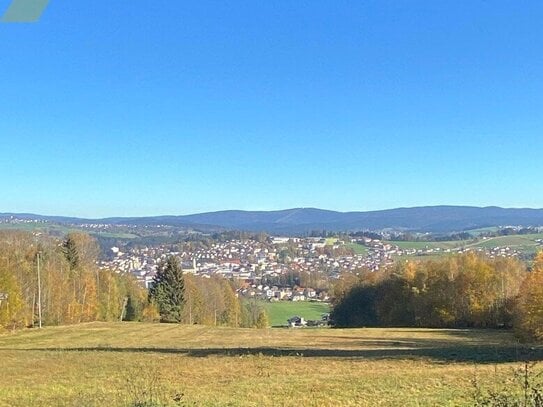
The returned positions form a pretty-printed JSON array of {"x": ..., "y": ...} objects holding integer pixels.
[{"x": 302, "y": 220}]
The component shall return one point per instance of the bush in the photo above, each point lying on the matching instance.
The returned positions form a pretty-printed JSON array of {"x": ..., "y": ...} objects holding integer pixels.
[{"x": 526, "y": 391}]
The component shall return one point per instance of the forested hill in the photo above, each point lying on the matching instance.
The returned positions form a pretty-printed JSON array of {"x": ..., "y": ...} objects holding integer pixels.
[
  {"x": 303, "y": 220},
  {"x": 430, "y": 219}
]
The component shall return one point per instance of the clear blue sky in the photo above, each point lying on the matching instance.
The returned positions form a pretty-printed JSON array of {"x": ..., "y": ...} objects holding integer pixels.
[{"x": 121, "y": 107}]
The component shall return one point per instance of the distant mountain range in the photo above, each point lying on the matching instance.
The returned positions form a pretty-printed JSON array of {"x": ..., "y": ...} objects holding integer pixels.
[{"x": 438, "y": 219}]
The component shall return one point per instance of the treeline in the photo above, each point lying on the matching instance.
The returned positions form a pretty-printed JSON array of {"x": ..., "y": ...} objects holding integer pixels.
[
  {"x": 429, "y": 237},
  {"x": 464, "y": 291},
  {"x": 313, "y": 279},
  {"x": 189, "y": 299},
  {"x": 73, "y": 289},
  {"x": 512, "y": 231}
]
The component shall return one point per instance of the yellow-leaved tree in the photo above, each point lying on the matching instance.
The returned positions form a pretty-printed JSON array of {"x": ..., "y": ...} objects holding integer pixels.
[{"x": 529, "y": 315}]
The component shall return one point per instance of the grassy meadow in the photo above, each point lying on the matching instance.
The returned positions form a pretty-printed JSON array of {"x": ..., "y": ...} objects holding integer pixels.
[
  {"x": 524, "y": 243},
  {"x": 419, "y": 245},
  {"x": 130, "y": 364},
  {"x": 54, "y": 228},
  {"x": 278, "y": 312},
  {"x": 358, "y": 248}
]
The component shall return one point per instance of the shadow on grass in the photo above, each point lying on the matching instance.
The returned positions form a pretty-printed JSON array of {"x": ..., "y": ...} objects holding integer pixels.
[{"x": 457, "y": 353}]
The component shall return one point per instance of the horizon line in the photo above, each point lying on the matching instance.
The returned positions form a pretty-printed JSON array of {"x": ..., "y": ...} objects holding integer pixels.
[{"x": 264, "y": 211}]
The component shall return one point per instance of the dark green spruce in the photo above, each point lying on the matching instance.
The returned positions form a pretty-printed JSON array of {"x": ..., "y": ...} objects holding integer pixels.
[{"x": 167, "y": 290}]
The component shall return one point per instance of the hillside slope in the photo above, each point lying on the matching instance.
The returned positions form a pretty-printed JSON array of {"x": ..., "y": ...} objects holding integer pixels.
[{"x": 303, "y": 220}]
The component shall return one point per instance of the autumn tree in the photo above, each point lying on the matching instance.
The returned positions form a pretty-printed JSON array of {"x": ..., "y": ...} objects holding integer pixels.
[
  {"x": 459, "y": 291},
  {"x": 262, "y": 321},
  {"x": 73, "y": 289},
  {"x": 12, "y": 307},
  {"x": 529, "y": 312},
  {"x": 110, "y": 300},
  {"x": 232, "y": 308},
  {"x": 136, "y": 299}
]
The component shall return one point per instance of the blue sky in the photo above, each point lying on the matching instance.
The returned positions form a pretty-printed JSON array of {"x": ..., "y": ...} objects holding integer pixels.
[{"x": 166, "y": 107}]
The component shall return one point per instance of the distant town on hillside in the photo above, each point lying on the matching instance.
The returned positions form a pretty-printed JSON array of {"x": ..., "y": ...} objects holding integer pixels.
[{"x": 245, "y": 246}]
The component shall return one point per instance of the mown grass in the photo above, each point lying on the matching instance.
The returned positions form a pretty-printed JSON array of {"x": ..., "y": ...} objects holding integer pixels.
[
  {"x": 525, "y": 243},
  {"x": 419, "y": 245},
  {"x": 279, "y": 312},
  {"x": 358, "y": 248},
  {"x": 117, "y": 364},
  {"x": 61, "y": 229}
]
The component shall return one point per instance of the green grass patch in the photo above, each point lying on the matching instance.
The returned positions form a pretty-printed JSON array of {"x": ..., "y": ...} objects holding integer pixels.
[
  {"x": 478, "y": 231},
  {"x": 416, "y": 245},
  {"x": 523, "y": 243},
  {"x": 520, "y": 242},
  {"x": 280, "y": 311},
  {"x": 115, "y": 235},
  {"x": 358, "y": 248}
]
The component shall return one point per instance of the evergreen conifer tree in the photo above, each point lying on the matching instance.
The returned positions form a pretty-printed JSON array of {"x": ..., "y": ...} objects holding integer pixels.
[{"x": 167, "y": 290}]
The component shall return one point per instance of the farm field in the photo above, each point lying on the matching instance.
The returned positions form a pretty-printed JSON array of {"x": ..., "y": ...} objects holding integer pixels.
[
  {"x": 429, "y": 245},
  {"x": 479, "y": 231},
  {"x": 130, "y": 364},
  {"x": 280, "y": 311},
  {"x": 61, "y": 230},
  {"x": 525, "y": 243},
  {"x": 358, "y": 248}
]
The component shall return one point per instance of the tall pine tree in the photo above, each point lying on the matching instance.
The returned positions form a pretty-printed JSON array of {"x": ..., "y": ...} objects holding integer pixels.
[{"x": 167, "y": 290}]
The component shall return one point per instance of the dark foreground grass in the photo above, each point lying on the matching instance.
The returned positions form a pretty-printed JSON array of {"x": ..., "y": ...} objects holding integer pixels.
[{"x": 122, "y": 364}]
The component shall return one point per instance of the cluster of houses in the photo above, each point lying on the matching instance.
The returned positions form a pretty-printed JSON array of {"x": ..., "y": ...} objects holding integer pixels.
[
  {"x": 491, "y": 251},
  {"x": 275, "y": 293},
  {"x": 498, "y": 251},
  {"x": 300, "y": 322},
  {"x": 14, "y": 220},
  {"x": 255, "y": 261}
]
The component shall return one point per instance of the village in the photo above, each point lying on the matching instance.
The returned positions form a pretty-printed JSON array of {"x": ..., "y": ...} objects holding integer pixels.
[
  {"x": 277, "y": 268},
  {"x": 269, "y": 269}
]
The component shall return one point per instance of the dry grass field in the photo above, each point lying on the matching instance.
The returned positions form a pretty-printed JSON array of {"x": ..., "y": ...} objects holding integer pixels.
[{"x": 134, "y": 364}]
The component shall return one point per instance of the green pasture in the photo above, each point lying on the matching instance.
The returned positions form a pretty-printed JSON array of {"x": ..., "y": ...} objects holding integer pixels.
[{"x": 279, "y": 311}]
